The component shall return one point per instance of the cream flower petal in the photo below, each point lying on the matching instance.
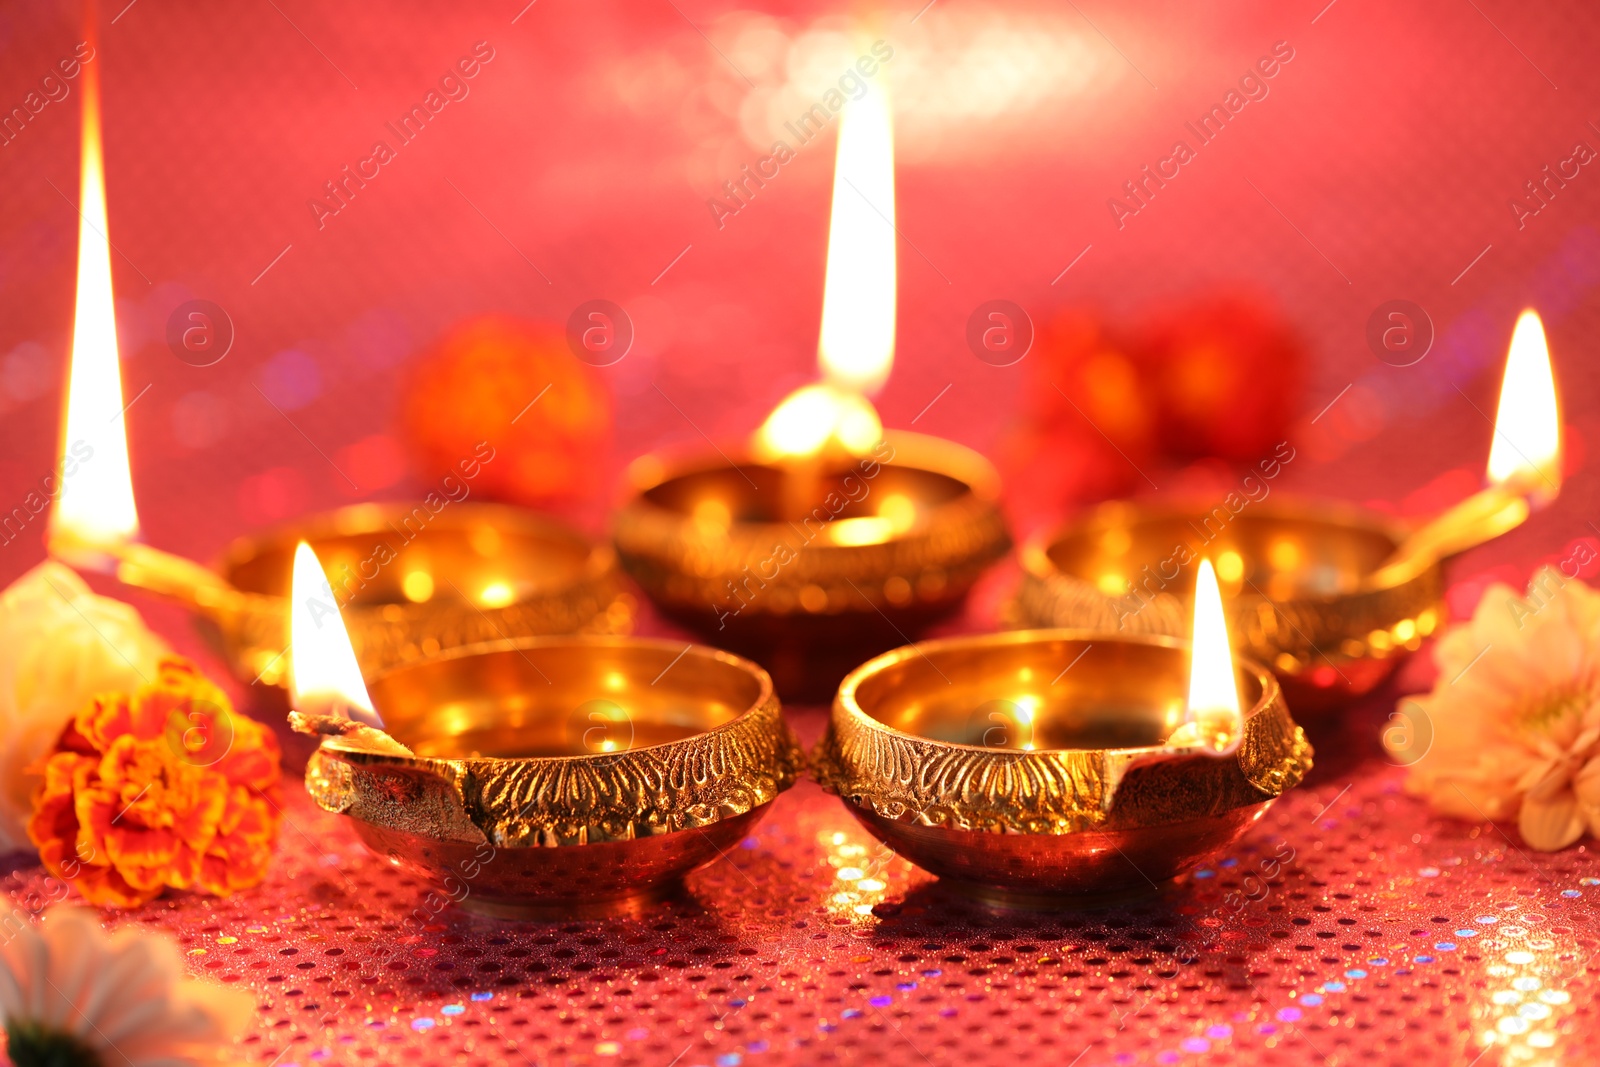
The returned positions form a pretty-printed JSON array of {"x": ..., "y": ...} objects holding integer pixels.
[
  {"x": 124, "y": 994},
  {"x": 60, "y": 644},
  {"x": 118, "y": 987},
  {"x": 11, "y": 995},
  {"x": 126, "y": 1006},
  {"x": 1515, "y": 712},
  {"x": 138, "y": 1018},
  {"x": 1536, "y": 773},
  {"x": 1586, "y": 786},
  {"x": 1548, "y": 825},
  {"x": 36, "y": 963},
  {"x": 72, "y": 964}
]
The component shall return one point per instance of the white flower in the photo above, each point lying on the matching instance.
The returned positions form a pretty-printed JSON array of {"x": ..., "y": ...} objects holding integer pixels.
[
  {"x": 60, "y": 645},
  {"x": 72, "y": 994},
  {"x": 1515, "y": 713}
]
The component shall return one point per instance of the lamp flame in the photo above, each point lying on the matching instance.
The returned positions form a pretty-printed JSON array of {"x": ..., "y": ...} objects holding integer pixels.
[
  {"x": 324, "y": 678},
  {"x": 1526, "y": 454},
  {"x": 96, "y": 506},
  {"x": 1213, "y": 719},
  {"x": 816, "y": 416},
  {"x": 855, "y": 349}
]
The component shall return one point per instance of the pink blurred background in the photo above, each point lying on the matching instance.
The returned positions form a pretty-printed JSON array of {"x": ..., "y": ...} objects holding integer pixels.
[{"x": 1379, "y": 166}]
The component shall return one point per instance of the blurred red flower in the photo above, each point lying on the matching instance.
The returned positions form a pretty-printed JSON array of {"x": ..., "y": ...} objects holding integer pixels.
[
  {"x": 1216, "y": 375},
  {"x": 479, "y": 383}
]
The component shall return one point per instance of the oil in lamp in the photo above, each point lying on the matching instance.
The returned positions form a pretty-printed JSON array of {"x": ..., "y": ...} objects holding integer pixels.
[
  {"x": 414, "y": 579},
  {"x": 541, "y": 777},
  {"x": 1042, "y": 768},
  {"x": 1331, "y": 596},
  {"x": 822, "y": 538}
]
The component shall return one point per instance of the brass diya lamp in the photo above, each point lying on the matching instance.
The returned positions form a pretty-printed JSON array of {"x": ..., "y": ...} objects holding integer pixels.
[
  {"x": 546, "y": 777},
  {"x": 414, "y": 578},
  {"x": 466, "y": 574},
  {"x": 822, "y": 539},
  {"x": 474, "y": 573},
  {"x": 893, "y": 544},
  {"x": 1330, "y": 596},
  {"x": 1044, "y": 768}
]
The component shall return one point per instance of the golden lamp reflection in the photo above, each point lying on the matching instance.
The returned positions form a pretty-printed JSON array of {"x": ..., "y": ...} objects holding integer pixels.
[
  {"x": 95, "y": 511},
  {"x": 896, "y": 514},
  {"x": 324, "y": 678},
  {"x": 860, "y": 872},
  {"x": 1527, "y": 1005},
  {"x": 855, "y": 350},
  {"x": 1212, "y": 719}
]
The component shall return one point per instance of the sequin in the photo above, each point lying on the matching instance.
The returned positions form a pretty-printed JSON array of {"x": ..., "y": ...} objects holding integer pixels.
[{"x": 759, "y": 964}]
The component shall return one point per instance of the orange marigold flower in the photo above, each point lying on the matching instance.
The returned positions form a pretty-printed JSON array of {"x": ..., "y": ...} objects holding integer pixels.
[{"x": 165, "y": 787}]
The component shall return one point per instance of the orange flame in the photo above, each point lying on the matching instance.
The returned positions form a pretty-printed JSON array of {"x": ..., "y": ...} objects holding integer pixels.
[
  {"x": 1526, "y": 454},
  {"x": 324, "y": 677},
  {"x": 1213, "y": 720},
  {"x": 96, "y": 507},
  {"x": 855, "y": 348}
]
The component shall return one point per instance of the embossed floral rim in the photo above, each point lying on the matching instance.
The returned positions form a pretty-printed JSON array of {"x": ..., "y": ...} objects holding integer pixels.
[
  {"x": 251, "y": 627},
  {"x": 1292, "y": 634},
  {"x": 669, "y": 553},
  {"x": 721, "y": 772},
  {"x": 904, "y": 776}
]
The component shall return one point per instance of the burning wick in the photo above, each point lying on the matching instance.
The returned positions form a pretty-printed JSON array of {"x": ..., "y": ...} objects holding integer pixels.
[
  {"x": 94, "y": 523},
  {"x": 1525, "y": 457},
  {"x": 95, "y": 506},
  {"x": 830, "y": 424},
  {"x": 1213, "y": 721},
  {"x": 325, "y": 685},
  {"x": 1524, "y": 463}
]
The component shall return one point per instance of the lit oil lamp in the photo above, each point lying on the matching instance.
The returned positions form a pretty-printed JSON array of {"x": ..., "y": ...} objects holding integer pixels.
[
  {"x": 1524, "y": 463},
  {"x": 822, "y": 538},
  {"x": 549, "y": 777},
  {"x": 416, "y": 578},
  {"x": 1330, "y": 595},
  {"x": 1046, "y": 767}
]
